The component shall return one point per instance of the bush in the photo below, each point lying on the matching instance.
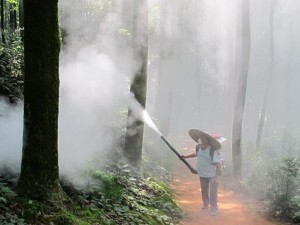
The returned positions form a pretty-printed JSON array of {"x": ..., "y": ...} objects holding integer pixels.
[
  {"x": 11, "y": 67},
  {"x": 133, "y": 200},
  {"x": 114, "y": 196},
  {"x": 255, "y": 174},
  {"x": 8, "y": 216},
  {"x": 296, "y": 213},
  {"x": 282, "y": 189}
]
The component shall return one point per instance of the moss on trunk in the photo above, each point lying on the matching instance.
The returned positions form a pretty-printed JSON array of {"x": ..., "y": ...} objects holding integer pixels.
[{"x": 39, "y": 171}]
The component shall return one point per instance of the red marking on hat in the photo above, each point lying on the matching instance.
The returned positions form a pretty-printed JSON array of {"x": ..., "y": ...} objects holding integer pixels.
[{"x": 216, "y": 135}]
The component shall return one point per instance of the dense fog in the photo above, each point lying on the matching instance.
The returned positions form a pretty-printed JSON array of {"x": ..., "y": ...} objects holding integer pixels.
[{"x": 199, "y": 84}]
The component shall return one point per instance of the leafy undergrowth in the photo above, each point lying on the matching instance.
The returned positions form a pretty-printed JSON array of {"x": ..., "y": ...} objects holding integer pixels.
[
  {"x": 11, "y": 67},
  {"x": 113, "y": 197}
]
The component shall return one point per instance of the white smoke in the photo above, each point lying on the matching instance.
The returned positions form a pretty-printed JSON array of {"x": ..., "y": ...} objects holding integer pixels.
[
  {"x": 95, "y": 74},
  {"x": 11, "y": 130},
  {"x": 95, "y": 71},
  {"x": 92, "y": 89},
  {"x": 140, "y": 113}
]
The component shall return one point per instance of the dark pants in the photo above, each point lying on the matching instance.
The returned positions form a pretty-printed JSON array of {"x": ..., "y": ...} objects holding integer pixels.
[{"x": 209, "y": 190}]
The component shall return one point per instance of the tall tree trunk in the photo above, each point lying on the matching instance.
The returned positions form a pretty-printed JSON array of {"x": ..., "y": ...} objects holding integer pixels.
[
  {"x": 262, "y": 116},
  {"x": 39, "y": 177},
  {"x": 21, "y": 18},
  {"x": 135, "y": 129},
  {"x": 241, "y": 69},
  {"x": 286, "y": 146},
  {"x": 164, "y": 96},
  {"x": 12, "y": 16},
  {"x": 2, "y": 5}
]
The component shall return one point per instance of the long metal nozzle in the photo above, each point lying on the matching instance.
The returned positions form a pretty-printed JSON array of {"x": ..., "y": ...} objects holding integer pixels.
[{"x": 179, "y": 156}]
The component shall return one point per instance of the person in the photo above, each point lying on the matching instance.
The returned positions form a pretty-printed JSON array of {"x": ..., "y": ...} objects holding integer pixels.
[{"x": 208, "y": 167}]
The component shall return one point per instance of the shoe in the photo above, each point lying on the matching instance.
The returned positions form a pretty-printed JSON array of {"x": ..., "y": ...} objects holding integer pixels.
[
  {"x": 214, "y": 212},
  {"x": 204, "y": 207}
]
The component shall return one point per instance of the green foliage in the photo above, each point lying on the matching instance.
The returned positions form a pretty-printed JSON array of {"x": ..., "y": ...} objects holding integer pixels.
[
  {"x": 11, "y": 67},
  {"x": 7, "y": 206},
  {"x": 124, "y": 32},
  {"x": 6, "y": 193},
  {"x": 31, "y": 209},
  {"x": 110, "y": 186},
  {"x": 296, "y": 212},
  {"x": 11, "y": 219},
  {"x": 66, "y": 218},
  {"x": 114, "y": 196},
  {"x": 282, "y": 188},
  {"x": 15, "y": 3},
  {"x": 137, "y": 200},
  {"x": 276, "y": 182},
  {"x": 255, "y": 176}
]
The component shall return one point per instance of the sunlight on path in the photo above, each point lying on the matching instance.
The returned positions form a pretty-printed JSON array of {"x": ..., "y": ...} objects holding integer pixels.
[{"x": 231, "y": 211}]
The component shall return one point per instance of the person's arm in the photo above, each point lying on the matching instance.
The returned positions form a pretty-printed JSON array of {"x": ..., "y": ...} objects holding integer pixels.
[{"x": 192, "y": 155}]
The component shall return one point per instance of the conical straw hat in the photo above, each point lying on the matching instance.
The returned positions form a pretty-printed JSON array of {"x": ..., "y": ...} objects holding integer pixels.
[{"x": 196, "y": 134}]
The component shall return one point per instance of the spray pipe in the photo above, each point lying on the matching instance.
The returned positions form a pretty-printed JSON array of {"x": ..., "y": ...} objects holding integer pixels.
[
  {"x": 179, "y": 156},
  {"x": 143, "y": 115}
]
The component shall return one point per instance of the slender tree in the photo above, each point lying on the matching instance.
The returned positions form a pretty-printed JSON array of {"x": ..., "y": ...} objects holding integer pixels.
[
  {"x": 21, "y": 13},
  {"x": 12, "y": 16},
  {"x": 286, "y": 144},
  {"x": 243, "y": 45},
  {"x": 21, "y": 17},
  {"x": 39, "y": 169},
  {"x": 262, "y": 115},
  {"x": 135, "y": 129},
  {"x": 164, "y": 97},
  {"x": 2, "y": 22}
]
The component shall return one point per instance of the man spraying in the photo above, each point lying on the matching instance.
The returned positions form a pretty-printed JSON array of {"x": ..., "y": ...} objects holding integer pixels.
[{"x": 208, "y": 167}]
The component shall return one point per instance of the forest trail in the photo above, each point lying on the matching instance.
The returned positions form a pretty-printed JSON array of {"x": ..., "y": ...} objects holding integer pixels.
[{"x": 232, "y": 211}]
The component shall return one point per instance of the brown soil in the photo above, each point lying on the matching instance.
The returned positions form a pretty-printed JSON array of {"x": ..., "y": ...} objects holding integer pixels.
[{"x": 232, "y": 210}]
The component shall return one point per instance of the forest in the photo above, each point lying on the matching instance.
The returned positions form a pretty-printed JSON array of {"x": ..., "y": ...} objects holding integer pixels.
[{"x": 96, "y": 96}]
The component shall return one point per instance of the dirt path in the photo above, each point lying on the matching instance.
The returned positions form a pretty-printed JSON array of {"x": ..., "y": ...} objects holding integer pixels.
[{"x": 232, "y": 211}]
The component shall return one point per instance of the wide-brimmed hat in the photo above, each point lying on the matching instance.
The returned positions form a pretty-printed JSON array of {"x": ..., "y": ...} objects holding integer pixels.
[{"x": 196, "y": 134}]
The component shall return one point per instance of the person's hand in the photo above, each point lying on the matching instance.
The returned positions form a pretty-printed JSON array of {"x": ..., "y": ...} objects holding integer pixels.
[{"x": 183, "y": 156}]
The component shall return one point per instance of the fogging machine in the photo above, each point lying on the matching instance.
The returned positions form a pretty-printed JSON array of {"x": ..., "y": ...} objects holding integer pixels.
[{"x": 179, "y": 156}]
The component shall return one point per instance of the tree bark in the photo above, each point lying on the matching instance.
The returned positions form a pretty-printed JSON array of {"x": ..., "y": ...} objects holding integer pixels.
[
  {"x": 21, "y": 18},
  {"x": 2, "y": 6},
  {"x": 286, "y": 146},
  {"x": 39, "y": 177},
  {"x": 243, "y": 45},
  {"x": 262, "y": 116},
  {"x": 12, "y": 16},
  {"x": 135, "y": 130}
]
